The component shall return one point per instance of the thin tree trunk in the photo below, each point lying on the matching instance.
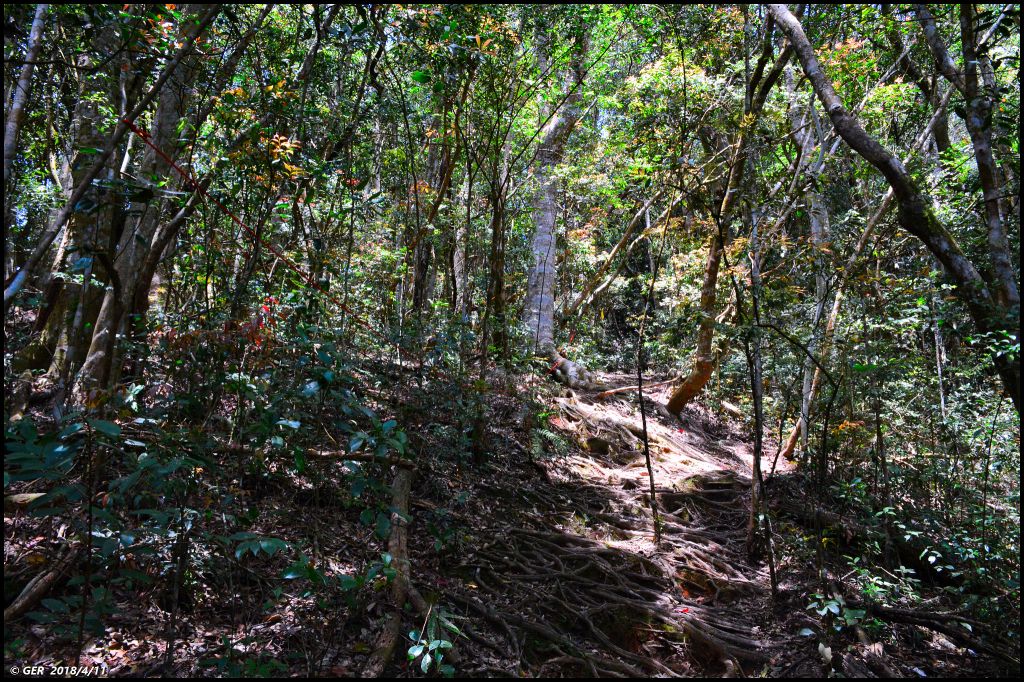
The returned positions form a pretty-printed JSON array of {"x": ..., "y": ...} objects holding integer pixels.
[
  {"x": 16, "y": 114},
  {"x": 754, "y": 361},
  {"x": 591, "y": 286},
  {"x": 704, "y": 360},
  {"x": 916, "y": 215},
  {"x": 818, "y": 219},
  {"x": 460, "y": 253},
  {"x": 83, "y": 183},
  {"x": 495, "y": 317}
]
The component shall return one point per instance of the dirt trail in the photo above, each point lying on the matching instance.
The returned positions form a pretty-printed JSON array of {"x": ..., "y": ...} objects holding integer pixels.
[{"x": 570, "y": 582}]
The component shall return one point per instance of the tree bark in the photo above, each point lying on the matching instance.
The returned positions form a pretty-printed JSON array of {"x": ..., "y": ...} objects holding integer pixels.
[
  {"x": 818, "y": 219},
  {"x": 16, "y": 114},
  {"x": 133, "y": 245},
  {"x": 916, "y": 213},
  {"x": 539, "y": 314},
  {"x": 704, "y": 359},
  {"x": 140, "y": 251},
  {"x": 83, "y": 183}
]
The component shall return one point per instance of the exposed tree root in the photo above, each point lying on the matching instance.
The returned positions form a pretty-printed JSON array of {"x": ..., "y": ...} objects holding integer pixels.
[
  {"x": 943, "y": 623},
  {"x": 631, "y": 389},
  {"x": 572, "y": 374},
  {"x": 38, "y": 587},
  {"x": 875, "y": 656},
  {"x": 624, "y": 601},
  {"x": 603, "y": 587},
  {"x": 365, "y": 457},
  {"x": 578, "y": 588}
]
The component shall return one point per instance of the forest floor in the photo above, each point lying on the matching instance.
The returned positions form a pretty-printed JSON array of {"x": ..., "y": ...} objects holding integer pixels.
[{"x": 543, "y": 557}]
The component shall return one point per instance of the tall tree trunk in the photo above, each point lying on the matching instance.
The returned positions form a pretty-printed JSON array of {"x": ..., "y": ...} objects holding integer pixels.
[
  {"x": 460, "y": 253},
  {"x": 704, "y": 360},
  {"x": 423, "y": 249},
  {"x": 495, "y": 323},
  {"x": 754, "y": 363},
  {"x": 916, "y": 213},
  {"x": 539, "y": 314},
  {"x": 83, "y": 184},
  {"x": 818, "y": 219},
  {"x": 15, "y": 116},
  {"x": 134, "y": 245},
  {"x": 540, "y": 307},
  {"x": 87, "y": 232}
]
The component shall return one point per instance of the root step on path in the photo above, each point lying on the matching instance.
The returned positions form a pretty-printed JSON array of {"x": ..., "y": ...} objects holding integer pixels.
[{"x": 581, "y": 589}]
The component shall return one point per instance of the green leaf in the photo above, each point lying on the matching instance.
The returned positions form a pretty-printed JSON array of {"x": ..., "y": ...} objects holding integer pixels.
[
  {"x": 71, "y": 430},
  {"x": 383, "y": 525},
  {"x": 247, "y": 546},
  {"x": 421, "y": 77},
  {"x": 107, "y": 428},
  {"x": 296, "y": 570},
  {"x": 357, "y": 488},
  {"x": 451, "y": 627},
  {"x": 55, "y": 605},
  {"x": 273, "y": 545}
]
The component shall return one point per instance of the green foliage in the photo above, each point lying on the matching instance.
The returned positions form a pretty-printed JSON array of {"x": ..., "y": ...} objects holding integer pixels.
[
  {"x": 231, "y": 661},
  {"x": 430, "y": 643},
  {"x": 836, "y": 612},
  {"x": 360, "y": 254}
]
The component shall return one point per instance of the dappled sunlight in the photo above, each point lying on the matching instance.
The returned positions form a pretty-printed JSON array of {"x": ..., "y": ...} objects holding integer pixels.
[{"x": 507, "y": 340}]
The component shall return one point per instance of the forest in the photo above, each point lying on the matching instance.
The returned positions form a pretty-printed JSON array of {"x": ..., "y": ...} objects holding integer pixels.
[{"x": 511, "y": 340}]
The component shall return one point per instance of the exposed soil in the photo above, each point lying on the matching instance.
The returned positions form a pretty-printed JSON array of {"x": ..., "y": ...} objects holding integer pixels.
[{"x": 543, "y": 556}]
